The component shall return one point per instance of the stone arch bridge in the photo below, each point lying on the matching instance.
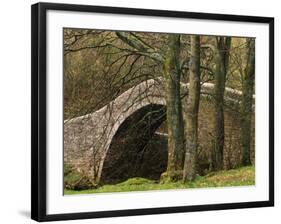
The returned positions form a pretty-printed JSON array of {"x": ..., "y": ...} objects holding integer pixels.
[{"x": 136, "y": 113}]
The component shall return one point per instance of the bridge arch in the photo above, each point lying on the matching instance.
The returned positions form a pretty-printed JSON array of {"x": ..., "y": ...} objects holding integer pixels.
[{"x": 88, "y": 138}]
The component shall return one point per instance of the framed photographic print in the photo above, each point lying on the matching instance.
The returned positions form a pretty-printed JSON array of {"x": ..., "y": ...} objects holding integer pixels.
[{"x": 139, "y": 111}]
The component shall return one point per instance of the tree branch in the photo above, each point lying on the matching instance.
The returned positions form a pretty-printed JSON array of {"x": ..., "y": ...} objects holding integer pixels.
[{"x": 140, "y": 46}]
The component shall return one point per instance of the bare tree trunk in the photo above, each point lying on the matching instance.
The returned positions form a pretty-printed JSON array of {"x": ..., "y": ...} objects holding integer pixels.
[
  {"x": 171, "y": 71},
  {"x": 222, "y": 60},
  {"x": 247, "y": 101},
  {"x": 191, "y": 113}
]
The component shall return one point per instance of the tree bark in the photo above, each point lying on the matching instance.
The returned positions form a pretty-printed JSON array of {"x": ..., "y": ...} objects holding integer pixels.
[
  {"x": 171, "y": 70},
  {"x": 247, "y": 101},
  {"x": 222, "y": 60},
  {"x": 191, "y": 111}
]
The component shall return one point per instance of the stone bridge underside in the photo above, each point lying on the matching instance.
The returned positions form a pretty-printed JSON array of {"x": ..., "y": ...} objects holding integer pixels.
[{"x": 97, "y": 144}]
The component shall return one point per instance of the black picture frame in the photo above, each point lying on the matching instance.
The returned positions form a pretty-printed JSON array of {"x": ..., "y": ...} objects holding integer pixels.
[{"x": 38, "y": 108}]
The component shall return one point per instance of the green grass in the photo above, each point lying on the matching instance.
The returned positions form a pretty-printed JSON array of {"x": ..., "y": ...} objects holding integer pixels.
[{"x": 243, "y": 176}]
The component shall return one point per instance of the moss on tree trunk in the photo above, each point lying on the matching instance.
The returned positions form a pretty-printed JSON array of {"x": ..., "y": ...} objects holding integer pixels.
[
  {"x": 222, "y": 60},
  {"x": 171, "y": 71},
  {"x": 191, "y": 111},
  {"x": 247, "y": 102}
]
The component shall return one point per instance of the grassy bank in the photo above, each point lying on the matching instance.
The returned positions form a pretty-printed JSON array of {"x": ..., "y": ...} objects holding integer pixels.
[{"x": 237, "y": 177}]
